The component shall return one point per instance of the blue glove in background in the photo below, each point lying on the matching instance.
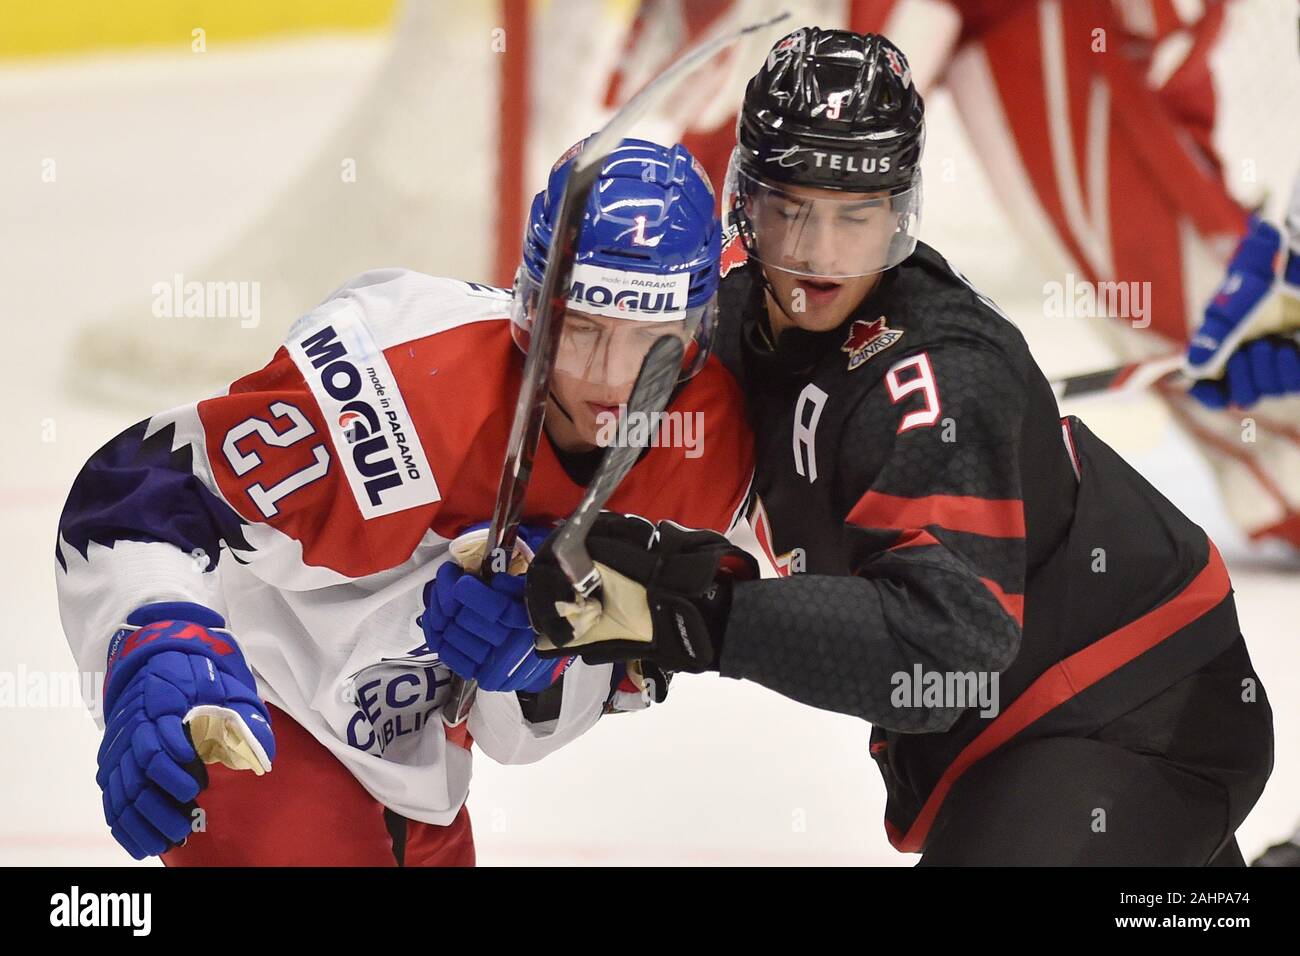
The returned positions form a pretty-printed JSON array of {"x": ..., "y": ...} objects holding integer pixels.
[
  {"x": 1261, "y": 368},
  {"x": 170, "y": 658},
  {"x": 481, "y": 630},
  {"x": 1231, "y": 366}
]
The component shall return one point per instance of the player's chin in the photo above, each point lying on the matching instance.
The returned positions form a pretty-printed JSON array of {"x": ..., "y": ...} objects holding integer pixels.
[
  {"x": 821, "y": 318},
  {"x": 812, "y": 302},
  {"x": 826, "y": 303},
  {"x": 597, "y": 429}
]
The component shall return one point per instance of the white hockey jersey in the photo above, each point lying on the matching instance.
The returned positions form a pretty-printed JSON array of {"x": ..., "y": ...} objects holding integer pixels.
[{"x": 311, "y": 502}]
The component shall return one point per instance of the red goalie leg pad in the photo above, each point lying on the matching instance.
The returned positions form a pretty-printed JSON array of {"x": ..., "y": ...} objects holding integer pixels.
[{"x": 1112, "y": 174}]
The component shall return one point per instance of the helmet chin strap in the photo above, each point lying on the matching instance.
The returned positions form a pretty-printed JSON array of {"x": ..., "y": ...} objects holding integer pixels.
[
  {"x": 772, "y": 294},
  {"x": 553, "y": 401},
  {"x": 550, "y": 393},
  {"x": 746, "y": 231}
]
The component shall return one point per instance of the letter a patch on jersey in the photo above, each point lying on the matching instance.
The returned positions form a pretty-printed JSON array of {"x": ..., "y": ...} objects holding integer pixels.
[{"x": 867, "y": 339}]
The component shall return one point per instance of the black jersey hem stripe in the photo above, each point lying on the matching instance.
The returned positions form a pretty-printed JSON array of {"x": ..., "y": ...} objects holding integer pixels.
[{"x": 1070, "y": 677}]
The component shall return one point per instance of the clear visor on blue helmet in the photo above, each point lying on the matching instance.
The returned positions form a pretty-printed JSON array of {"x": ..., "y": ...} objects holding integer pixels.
[
  {"x": 612, "y": 319},
  {"x": 823, "y": 233}
]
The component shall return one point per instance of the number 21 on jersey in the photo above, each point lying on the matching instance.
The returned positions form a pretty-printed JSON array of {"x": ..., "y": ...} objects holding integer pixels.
[{"x": 243, "y": 462}]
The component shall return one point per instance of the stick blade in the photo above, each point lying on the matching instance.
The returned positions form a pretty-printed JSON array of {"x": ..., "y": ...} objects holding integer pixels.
[{"x": 650, "y": 395}]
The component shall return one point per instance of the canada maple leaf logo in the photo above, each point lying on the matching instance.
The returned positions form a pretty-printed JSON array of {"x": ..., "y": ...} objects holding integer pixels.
[
  {"x": 868, "y": 338},
  {"x": 733, "y": 254},
  {"x": 898, "y": 67},
  {"x": 862, "y": 333}
]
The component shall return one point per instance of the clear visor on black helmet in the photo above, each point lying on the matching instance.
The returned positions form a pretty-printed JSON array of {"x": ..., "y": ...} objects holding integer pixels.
[
  {"x": 823, "y": 233},
  {"x": 612, "y": 319}
]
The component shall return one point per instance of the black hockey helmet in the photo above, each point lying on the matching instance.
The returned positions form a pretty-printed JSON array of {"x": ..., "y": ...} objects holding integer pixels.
[
  {"x": 834, "y": 109},
  {"x": 829, "y": 110}
]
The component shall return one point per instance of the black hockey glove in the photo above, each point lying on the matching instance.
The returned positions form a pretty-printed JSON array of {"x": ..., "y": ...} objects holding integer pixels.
[{"x": 664, "y": 596}]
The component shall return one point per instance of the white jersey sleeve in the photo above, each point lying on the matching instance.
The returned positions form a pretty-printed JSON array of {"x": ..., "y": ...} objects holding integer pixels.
[
  {"x": 499, "y": 728},
  {"x": 309, "y": 504}
]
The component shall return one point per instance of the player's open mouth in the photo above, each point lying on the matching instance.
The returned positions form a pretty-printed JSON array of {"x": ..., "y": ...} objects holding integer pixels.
[
  {"x": 818, "y": 291},
  {"x": 598, "y": 409}
]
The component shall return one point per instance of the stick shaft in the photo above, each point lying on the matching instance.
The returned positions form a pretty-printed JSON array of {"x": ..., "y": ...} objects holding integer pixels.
[
  {"x": 1118, "y": 380},
  {"x": 526, "y": 429}
]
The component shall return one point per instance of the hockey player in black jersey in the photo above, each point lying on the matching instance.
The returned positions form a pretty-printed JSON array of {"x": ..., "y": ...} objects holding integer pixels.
[{"x": 1047, "y": 649}]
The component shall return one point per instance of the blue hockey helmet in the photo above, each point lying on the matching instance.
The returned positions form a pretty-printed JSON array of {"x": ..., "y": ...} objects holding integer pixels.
[{"x": 648, "y": 251}]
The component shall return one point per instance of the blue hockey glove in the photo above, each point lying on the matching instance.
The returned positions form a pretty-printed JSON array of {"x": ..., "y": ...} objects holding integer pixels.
[
  {"x": 481, "y": 631},
  {"x": 1247, "y": 347},
  {"x": 178, "y": 694}
]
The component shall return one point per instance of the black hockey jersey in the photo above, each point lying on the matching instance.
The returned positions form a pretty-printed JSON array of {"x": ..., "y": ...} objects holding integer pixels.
[{"x": 964, "y": 567}]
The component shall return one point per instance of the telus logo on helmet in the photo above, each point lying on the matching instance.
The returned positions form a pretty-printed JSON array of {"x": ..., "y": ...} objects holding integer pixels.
[
  {"x": 794, "y": 156},
  {"x": 851, "y": 163}
]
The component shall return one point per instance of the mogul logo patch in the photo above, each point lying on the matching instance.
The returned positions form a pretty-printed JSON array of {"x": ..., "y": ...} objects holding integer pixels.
[
  {"x": 372, "y": 431},
  {"x": 622, "y": 294},
  {"x": 867, "y": 339}
]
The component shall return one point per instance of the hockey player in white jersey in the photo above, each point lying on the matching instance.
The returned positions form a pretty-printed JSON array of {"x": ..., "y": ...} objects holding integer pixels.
[{"x": 267, "y": 574}]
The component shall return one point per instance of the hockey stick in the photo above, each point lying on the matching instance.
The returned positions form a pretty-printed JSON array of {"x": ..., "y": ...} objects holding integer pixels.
[
  {"x": 650, "y": 394},
  {"x": 1119, "y": 380},
  {"x": 1134, "y": 376},
  {"x": 526, "y": 429}
]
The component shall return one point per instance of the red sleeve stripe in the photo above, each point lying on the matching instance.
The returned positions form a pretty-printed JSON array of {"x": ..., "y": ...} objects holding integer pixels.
[
  {"x": 992, "y": 517},
  {"x": 1013, "y": 604},
  {"x": 913, "y": 538}
]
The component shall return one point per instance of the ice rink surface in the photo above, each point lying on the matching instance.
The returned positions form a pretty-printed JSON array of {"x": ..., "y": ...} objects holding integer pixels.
[{"x": 160, "y": 166}]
